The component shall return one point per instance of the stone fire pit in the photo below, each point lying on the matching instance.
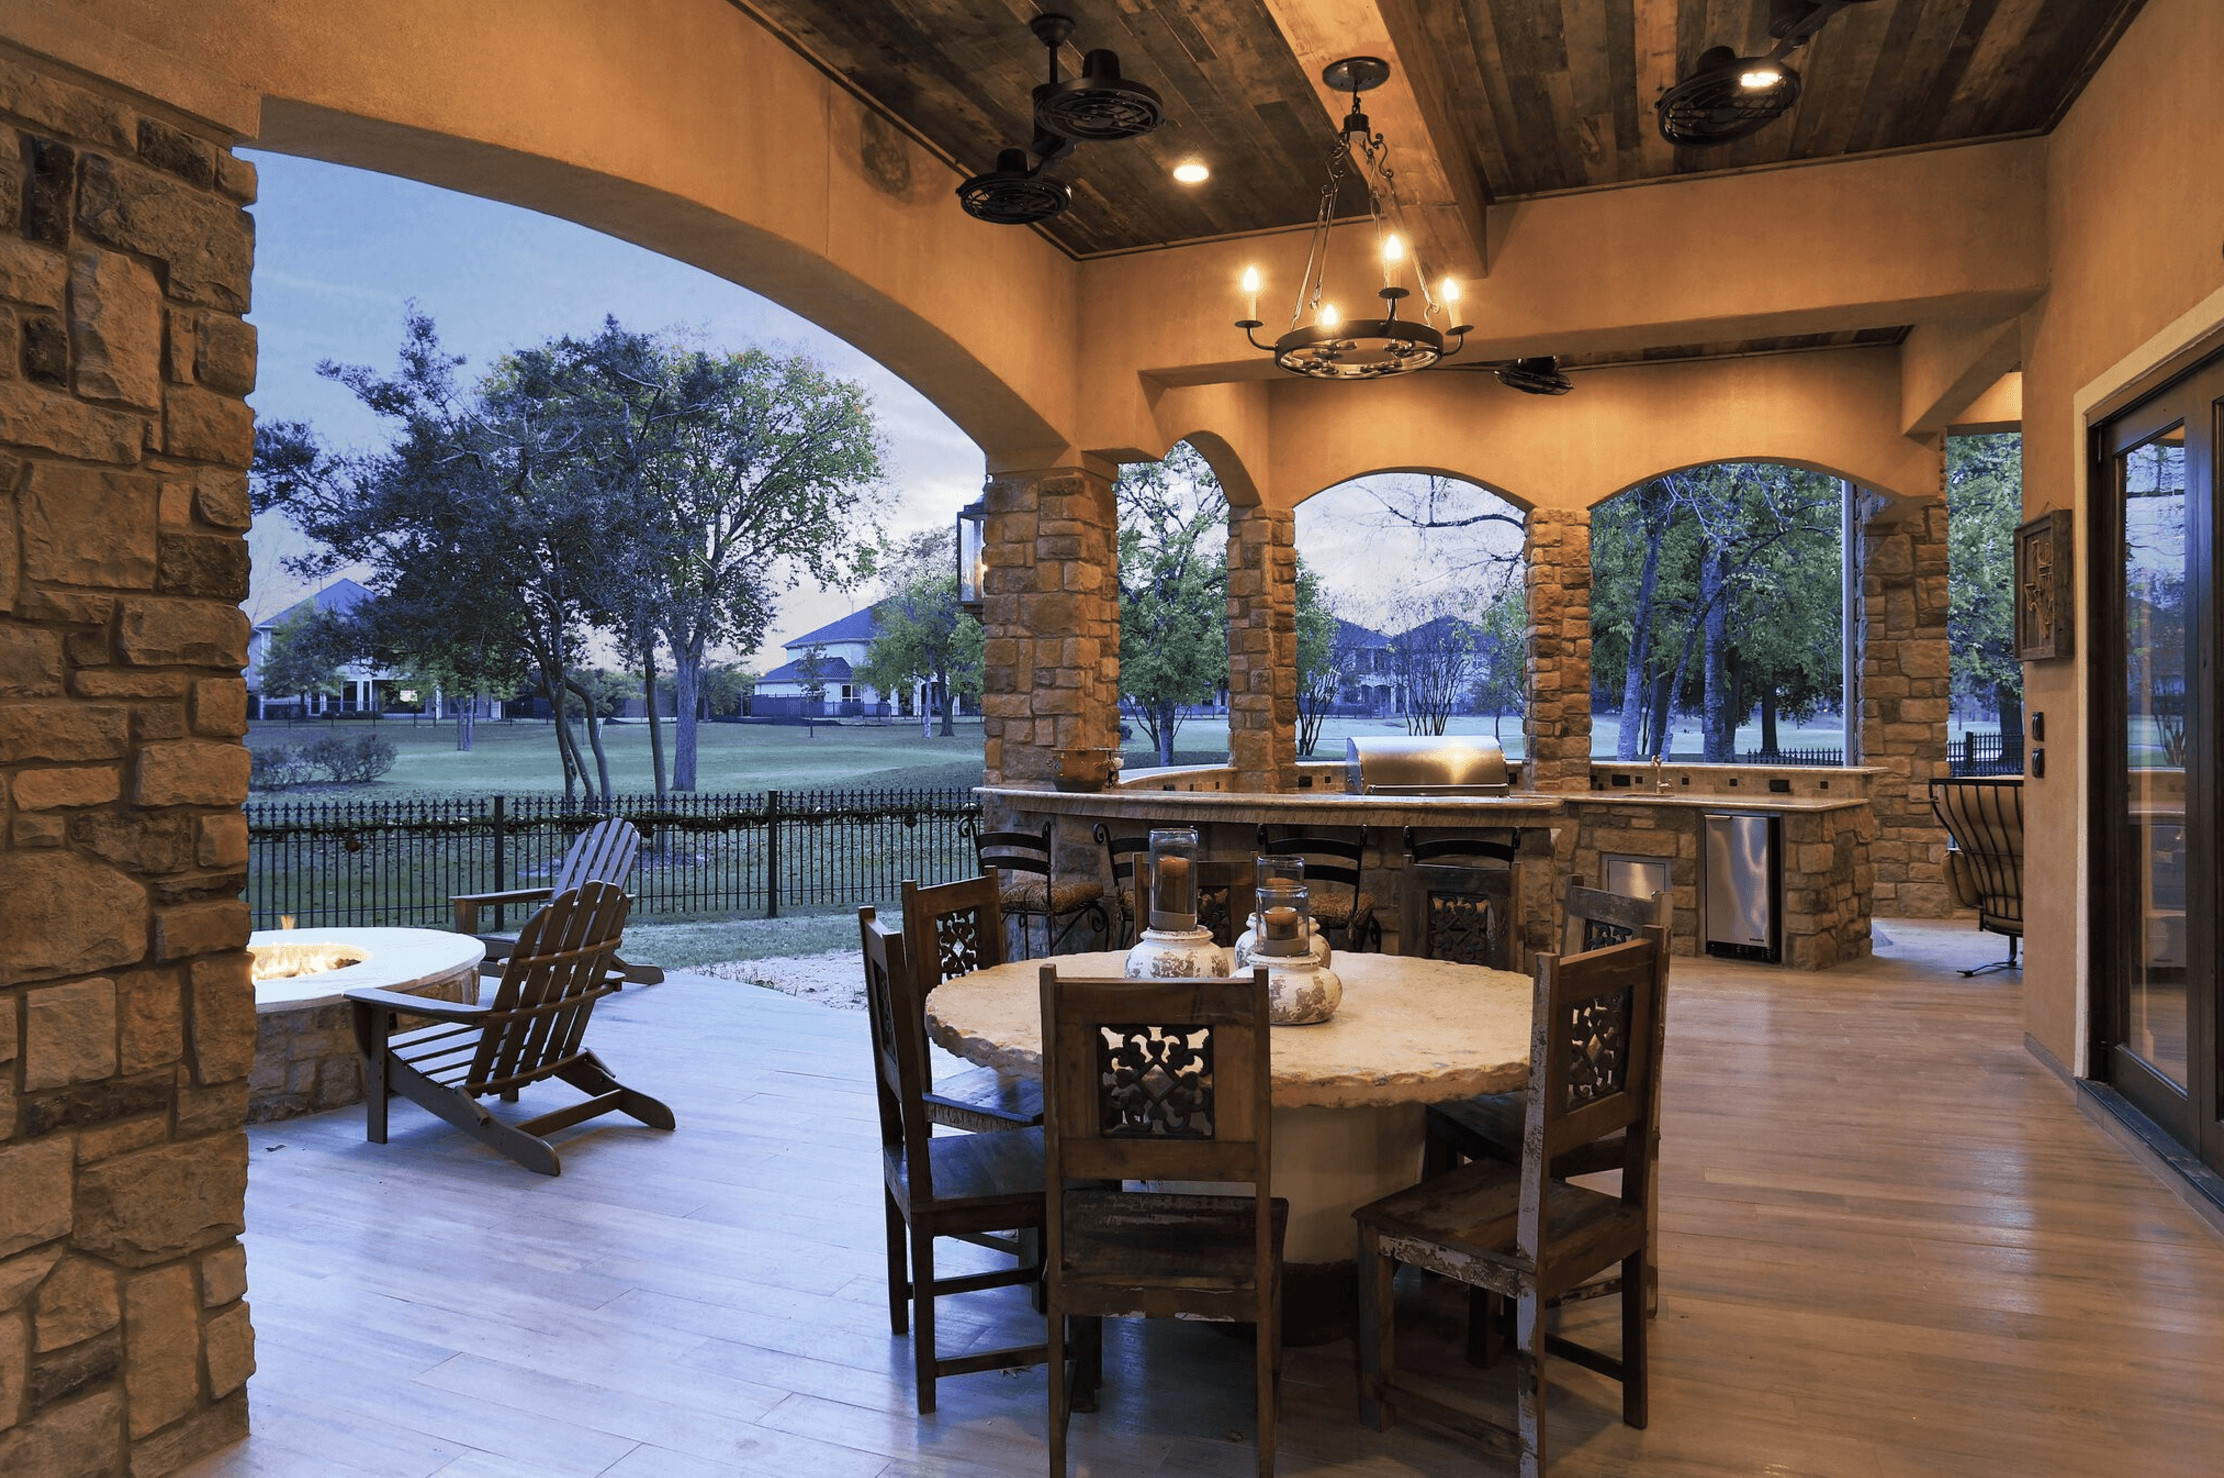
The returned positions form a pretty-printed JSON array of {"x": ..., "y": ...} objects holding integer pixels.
[{"x": 305, "y": 1053}]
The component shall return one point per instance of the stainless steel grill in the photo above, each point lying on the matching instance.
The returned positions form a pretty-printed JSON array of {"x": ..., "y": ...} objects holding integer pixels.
[{"x": 1456, "y": 764}]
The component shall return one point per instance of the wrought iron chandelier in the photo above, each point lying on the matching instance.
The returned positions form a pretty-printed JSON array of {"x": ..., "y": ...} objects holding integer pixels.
[{"x": 1330, "y": 346}]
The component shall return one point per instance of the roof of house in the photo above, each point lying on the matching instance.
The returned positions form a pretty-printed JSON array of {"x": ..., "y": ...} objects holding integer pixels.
[
  {"x": 1352, "y": 634},
  {"x": 831, "y": 670},
  {"x": 340, "y": 597},
  {"x": 858, "y": 625}
]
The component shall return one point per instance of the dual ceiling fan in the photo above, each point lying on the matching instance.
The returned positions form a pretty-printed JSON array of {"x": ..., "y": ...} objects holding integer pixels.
[
  {"x": 1728, "y": 97},
  {"x": 1097, "y": 107}
]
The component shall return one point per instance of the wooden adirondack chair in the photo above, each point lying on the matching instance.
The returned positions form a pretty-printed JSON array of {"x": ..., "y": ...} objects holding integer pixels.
[
  {"x": 532, "y": 1030},
  {"x": 603, "y": 853}
]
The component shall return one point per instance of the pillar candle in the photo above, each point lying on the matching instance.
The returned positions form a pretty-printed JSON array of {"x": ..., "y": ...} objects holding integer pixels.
[
  {"x": 1281, "y": 922},
  {"x": 1172, "y": 887}
]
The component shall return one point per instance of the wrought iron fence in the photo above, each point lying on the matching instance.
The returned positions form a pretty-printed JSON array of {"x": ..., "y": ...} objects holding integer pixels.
[
  {"x": 1987, "y": 754},
  {"x": 399, "y": 862},
  {"x": 1795, "y": 757}
]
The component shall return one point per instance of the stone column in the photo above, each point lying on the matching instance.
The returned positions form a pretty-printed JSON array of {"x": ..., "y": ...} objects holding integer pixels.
[
  {"x": 1052, "y": 621},
  {"x": 1262, "y": 648},
  {"x": 1906, "y": 689},
  {"x": 127, "y": 1023},
  {"x": 1556, "y": 728}
]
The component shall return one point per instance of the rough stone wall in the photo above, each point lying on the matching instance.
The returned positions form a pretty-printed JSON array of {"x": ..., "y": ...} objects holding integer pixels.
[
  {"x": 1905, "y": 697},
  {"x": 1051, "y": 621},
  {"x": 127, "y": 1024},
  {"x": 1262, "y": 648},
  {"x": 1556, "y": 729},
  {"x": 1825, "y": 856}
]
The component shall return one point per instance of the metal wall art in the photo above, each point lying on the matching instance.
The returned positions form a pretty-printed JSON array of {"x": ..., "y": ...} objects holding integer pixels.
[{"x": 2045, "y": 612}]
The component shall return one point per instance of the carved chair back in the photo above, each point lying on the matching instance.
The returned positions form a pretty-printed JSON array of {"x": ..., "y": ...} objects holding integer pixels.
[
  {"x": 953, "y": 929},
  {"x": 897, "y": 1014},
  {"x": 550, "y": 983},
  {"x": 1156, "y": 1080},
  {"x": 1469, "y": 915},
  {"x": 603, "y": 853},
  {"x": 1597, "y": 919},
  {"x": 1594, "y": 1059}
]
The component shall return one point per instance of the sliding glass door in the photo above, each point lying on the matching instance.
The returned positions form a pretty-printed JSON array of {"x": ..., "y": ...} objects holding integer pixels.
[{"x": 2158, "y": 926}]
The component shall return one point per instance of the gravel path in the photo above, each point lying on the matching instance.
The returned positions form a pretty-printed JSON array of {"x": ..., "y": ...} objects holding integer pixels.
[{"x": 835, "y": 979}]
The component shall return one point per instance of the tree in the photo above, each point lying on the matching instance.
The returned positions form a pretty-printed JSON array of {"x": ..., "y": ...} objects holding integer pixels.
[
  {"x": 1320, "y": 670},
  {"x": 1984, "y": 503},
  {"x": 810, "y": 671},
  {"x": 725, "y": 688},
  {"x": 1433, "y": 658},
  {"x": 477, "y": 523},
  {"x": 304, "y": 656},
  {"x": 1502, "y": 657},
  {"x": 1173, "y": 590},
  {"x": 748, "y": 472},
  {"x": 923, "y": 636}
]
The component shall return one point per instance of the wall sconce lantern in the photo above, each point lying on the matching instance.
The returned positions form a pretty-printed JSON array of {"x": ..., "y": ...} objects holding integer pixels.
[{"x": 972, "y": 555}]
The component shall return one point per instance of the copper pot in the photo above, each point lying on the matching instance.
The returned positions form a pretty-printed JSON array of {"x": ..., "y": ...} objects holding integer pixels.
[{"x": 1086, "y": 769}]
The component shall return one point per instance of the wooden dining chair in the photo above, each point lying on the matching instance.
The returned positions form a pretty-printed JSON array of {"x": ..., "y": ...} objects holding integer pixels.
[
  {"x": 1468, "y": 915},
  {"x": 969, "y": 1186},
  {"x": 532, "y": 1030},
  {"x": 1153, "y": 1081},
  {"x": 1342, "y": 907},
  {"x": 604, "y": 853},
  {"x": 1032, "y": 889},
  {"x": 1489, "y": 1126},
  {"x": 953, "y": 929},
  {"x": 1522, "y": 1233}
]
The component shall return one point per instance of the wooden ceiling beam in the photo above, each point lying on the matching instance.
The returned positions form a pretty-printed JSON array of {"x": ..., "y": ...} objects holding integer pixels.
[{"x": 1445, "y": 195}]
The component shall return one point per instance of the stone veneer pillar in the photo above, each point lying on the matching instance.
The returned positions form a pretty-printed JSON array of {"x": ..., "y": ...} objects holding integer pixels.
[
  {"x": 127, "y": 1023},
  {"x": 1262, "y": 648},
  {"x": 1906, "y": 691},
  {"x": 1556, "y": 726},
  {"x": 1051, "y": 619}
]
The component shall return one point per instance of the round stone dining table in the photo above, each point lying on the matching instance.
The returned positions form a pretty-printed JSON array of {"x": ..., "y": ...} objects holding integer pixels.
[{"x": 1348, "y": 1093}]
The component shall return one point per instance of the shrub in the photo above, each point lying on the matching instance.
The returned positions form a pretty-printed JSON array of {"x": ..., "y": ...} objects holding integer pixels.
[
  {"x": 352, "y": 761},
  {"x": 280, "y": 767}
]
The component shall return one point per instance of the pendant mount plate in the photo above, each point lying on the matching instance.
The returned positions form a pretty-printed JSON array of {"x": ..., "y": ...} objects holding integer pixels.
[{"x": 1356, "y": 73}]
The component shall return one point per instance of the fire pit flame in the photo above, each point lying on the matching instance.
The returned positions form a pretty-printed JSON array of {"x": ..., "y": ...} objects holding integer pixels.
[{"x": 288, "y": 961}]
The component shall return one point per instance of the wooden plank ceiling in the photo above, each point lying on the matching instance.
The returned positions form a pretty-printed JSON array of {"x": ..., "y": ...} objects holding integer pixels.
[{"x": 1546, "y": 95}]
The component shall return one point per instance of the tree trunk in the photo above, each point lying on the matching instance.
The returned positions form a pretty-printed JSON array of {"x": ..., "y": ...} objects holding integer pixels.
[
  {"x": 559, "y": 702},
  {"x": 594, "y": 742},
  {"x": 2008, "y": 703},
  {"x": 687, "y": 685},
  {"x": 1768, "y": 720},
  {"x": 1719, "y": 721},
  {"x": 1629, "y": 727},
  {"x": 467, "y": 713},
  {"x": 947, "y": 693},
  {"x": 656, "y": 723},
  {"x": 1163, "y": 730}
]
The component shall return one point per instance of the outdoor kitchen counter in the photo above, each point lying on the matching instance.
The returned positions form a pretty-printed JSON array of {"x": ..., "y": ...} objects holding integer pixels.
[
  {"x": 1318, "y": 807},
  {"x": 1732, "y": 801}
]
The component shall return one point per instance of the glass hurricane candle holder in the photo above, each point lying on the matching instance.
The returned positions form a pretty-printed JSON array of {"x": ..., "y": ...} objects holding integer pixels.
[
  {"x": 1174, "y": 879},
  {"x": 1285, "y": 921}
]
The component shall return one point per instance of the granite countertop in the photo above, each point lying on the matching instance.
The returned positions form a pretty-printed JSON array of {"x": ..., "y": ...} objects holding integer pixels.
[
  {"x": 1330, "y": 807},
  {"x": 1712, "y": 800}
]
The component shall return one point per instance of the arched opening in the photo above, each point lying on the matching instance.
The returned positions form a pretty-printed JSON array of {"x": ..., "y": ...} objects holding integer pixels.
[
  {"x": 1718, "y": 616},
  {"x": 1410, "y": 610},
  {"x": 1174, "y": 602}
]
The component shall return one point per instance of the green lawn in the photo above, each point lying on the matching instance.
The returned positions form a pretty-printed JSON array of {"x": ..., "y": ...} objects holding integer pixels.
[{"x": 518, "y": 757}]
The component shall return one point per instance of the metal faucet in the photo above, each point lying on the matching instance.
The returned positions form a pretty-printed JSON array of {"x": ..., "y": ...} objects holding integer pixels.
[{"x": 1660, "y": 780}]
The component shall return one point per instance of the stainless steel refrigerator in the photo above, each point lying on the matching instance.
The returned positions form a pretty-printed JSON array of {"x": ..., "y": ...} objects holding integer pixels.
[{"x": 1744, "y": 878}]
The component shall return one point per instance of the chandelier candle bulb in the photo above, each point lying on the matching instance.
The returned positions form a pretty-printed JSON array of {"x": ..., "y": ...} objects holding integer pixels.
[
  {"x": 1329, "y": 317},
  {"x": 1251, "y": 293}
]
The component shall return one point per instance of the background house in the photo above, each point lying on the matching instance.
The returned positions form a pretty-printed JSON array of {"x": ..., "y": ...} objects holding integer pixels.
[
  {"x": 366, "y": 688},
  {"x": 842, "y": 646}
]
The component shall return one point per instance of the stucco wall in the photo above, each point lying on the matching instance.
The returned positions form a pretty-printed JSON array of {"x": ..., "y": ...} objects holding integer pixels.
[{"x": 2135, "y": 224}]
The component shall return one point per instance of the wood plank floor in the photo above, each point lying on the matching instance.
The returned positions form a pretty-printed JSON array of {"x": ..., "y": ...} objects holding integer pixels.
[{"x": 1892, "y": 1246}]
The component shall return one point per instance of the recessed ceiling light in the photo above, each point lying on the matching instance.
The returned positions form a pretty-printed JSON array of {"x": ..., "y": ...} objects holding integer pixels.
[{"x": 1192, "y": 172}]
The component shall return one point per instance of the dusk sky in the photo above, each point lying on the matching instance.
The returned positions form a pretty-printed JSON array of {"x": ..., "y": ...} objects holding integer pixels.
[{"x": 341, "y": 253}]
